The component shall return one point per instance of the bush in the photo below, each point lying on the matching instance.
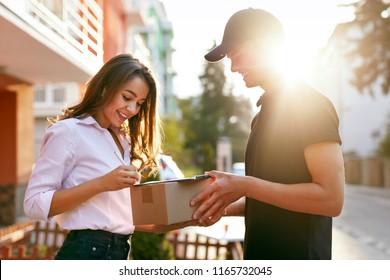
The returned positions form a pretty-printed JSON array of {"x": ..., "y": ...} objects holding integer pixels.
[{"x": 150, "y": 246}]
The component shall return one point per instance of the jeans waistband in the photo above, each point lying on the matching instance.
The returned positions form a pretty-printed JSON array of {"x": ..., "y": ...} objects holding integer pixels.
[{"x": 101, "y": 235}]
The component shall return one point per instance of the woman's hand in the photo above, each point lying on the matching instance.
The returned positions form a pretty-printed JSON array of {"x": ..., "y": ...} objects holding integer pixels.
[{"x": 121, "y": 177}]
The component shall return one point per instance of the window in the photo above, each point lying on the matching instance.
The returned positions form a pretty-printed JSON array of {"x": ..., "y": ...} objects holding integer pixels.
[
  {"x": 40, "y": 95},
  {"x": 59, "y": 95}
]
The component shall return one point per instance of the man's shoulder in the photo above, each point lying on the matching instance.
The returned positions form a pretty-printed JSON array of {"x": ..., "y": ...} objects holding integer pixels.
[{"x": 305, "y": 93}]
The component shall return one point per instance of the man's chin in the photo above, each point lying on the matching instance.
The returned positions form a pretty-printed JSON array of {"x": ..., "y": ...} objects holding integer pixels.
[{"x": 250, "y": 84}]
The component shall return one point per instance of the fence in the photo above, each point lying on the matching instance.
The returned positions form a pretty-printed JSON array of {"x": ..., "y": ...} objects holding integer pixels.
[
  {"x": 41, "y": 240},
  {"x": 16, "y": 234},
  {"x": 368, "y": 171},
  {"x": 187, "y": 246},
  {"x": 23, "y": 252},
  {"x": 31, "y": 240}
]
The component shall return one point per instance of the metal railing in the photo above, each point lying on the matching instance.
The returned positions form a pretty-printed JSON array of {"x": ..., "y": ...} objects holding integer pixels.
[{"x": 77, "y": 23}]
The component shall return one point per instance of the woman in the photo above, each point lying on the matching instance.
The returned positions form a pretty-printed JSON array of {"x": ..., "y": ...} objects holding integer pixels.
[{"x": 80, "y": 176}]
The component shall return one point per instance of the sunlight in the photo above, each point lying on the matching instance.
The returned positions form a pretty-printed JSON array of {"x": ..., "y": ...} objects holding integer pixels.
[
  {"x": 308, "y": 25},
  {"x": 307, "y": 31},
  {"x": 294, "y": 61}
]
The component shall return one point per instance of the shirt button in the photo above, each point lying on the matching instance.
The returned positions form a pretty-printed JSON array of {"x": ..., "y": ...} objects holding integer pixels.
[
  {"x": 109, "y": 245},
  {"x": 93, "y": 248}
]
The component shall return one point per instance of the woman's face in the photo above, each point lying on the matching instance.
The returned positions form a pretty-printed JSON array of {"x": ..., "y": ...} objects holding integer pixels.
[{"x": 125, "y": 104}]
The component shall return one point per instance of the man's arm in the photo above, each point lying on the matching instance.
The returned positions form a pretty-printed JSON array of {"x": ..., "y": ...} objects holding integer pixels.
[
  {"x": 323, "y": 196},
  {"x": 236, "y": 208},
  {"x": 165, "y": 228}
]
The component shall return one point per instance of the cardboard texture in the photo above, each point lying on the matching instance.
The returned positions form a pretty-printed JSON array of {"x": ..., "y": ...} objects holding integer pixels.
[{"x": 165, "y": 203}]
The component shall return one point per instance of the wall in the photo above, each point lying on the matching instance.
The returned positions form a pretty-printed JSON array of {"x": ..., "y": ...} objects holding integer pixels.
[
  {"x": 114, "y": 29},
  {"x": 16, "y": 144}
]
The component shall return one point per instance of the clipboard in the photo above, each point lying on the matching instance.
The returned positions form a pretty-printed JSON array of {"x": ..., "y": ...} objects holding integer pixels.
[{"x": 193, "y": 178}]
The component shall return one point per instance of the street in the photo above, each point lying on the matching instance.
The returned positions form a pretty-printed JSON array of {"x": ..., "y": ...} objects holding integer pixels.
[{"x": 362, "y": 231}]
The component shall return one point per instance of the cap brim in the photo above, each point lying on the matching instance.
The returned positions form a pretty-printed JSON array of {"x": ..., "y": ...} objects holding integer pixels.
[{"x": 219, "y": 52}]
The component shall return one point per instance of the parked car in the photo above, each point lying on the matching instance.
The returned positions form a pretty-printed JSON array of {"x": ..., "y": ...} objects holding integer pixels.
[{"x": 168, "y": 168}]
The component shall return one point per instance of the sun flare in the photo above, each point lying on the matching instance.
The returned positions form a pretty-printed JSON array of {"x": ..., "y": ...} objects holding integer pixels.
[
  {"x": 307, "y": 23},
  {"x": 294, "y": 61}
]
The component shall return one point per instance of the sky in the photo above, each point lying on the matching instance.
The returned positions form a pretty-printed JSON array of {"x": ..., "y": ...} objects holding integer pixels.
[{"x": 198, "y": 23}]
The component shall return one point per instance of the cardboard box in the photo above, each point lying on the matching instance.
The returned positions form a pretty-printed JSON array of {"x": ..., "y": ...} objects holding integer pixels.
[{"x": 165, "y": 203}]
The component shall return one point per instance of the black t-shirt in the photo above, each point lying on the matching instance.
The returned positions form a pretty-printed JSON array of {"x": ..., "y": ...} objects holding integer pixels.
[{"x": 289, "y": 120}]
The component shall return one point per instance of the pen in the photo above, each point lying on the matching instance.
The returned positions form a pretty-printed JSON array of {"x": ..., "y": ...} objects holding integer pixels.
[{"x": 120, "y": 158}]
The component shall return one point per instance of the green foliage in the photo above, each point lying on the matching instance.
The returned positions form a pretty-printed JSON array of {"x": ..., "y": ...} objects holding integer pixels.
[
  {"x": 208, "y": 156},
  {"x": 213, "y": 114},
  {"x": 372, "y": 48},
  {"x": 384, "y": 147},
  {"x": 150, "y": 246},
  {"x": 173, "y": 138},
  {"x": 173, "y": 144}
]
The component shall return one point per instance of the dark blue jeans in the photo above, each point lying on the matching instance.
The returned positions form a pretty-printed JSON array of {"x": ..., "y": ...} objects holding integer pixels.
[{"x": 94, "y": 245}]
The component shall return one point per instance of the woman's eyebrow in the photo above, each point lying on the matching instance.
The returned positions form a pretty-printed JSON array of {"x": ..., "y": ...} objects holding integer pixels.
[
  {"x": 131, "y": 92},
  {"x": 134, "y": 94}
]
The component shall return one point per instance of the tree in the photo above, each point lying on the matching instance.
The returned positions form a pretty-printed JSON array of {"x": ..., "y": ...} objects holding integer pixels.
[
  {"x": 383, "y": 149},
  {"x": 384, "y": 146},
  {"x": 215, "y": 113},
  {"x": 372, "y": 17},
  {"x": 172, "y": 136}
]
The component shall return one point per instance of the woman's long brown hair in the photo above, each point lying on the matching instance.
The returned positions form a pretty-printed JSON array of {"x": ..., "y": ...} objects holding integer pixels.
[{"x": 144, "y": 129}]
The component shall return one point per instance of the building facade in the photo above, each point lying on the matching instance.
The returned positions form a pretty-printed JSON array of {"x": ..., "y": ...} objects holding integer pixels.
[
  {"x": 38, "y": 46},
  {"x": 364, "y": 117},
  {"x": 49, "y": 49},
  {"x": 152, "y": 42}
]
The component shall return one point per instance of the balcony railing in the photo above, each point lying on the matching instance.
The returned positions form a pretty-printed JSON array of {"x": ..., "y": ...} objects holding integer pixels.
[{"x": 76, "y": 23}]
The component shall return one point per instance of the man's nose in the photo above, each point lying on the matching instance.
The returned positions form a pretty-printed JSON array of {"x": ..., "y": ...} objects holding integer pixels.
[{"x": 233, "y": 67}]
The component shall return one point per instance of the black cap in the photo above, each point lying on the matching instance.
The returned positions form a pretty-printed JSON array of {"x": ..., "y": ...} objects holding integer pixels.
[{"x": 245, "y": 25}]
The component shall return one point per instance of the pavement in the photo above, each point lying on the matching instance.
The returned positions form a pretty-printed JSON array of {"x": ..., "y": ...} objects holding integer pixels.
[
  {"x": 347, "y": 247},
  {"x": 349, "y": 244}
]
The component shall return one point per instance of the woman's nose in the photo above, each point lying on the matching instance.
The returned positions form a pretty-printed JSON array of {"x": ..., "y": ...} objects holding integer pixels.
[{"x": 130, "y": 108}]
